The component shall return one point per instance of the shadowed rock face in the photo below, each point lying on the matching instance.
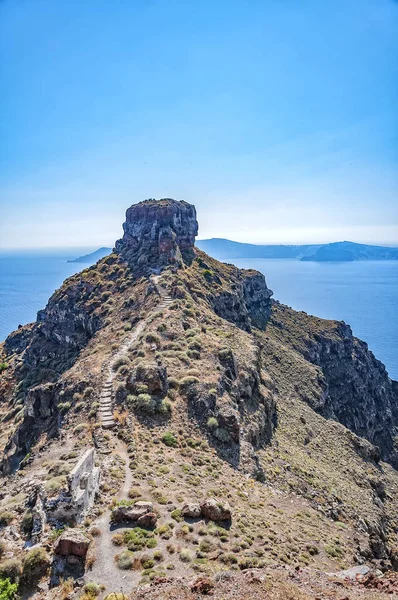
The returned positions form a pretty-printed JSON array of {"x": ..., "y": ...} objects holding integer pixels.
[{"x": 158, "y": 233}]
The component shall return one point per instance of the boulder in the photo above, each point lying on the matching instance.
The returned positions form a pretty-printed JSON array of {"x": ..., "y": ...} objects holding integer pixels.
[
  {"x": 144, "y": 504},
  {"x": 153, "y": 375},
  {"x": 215, "y": 510},
  {"x": 127, "y": 513},
  {"x": 191, "y": 510},
  {"x": 72, "y": 542},
  {"x": 147, "y": 520}
]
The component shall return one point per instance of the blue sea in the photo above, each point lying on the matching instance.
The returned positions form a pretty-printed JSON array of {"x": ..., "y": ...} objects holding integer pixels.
[{"x": 364, "y": 294}]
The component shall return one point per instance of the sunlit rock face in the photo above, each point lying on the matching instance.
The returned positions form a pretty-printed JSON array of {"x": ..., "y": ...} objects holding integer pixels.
[{"x": 158, "y": 233}]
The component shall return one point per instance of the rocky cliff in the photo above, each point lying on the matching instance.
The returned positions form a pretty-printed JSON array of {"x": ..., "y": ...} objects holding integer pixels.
[
  {"x": 158, "y": 233},
  {"x": 355, "y": 388}
]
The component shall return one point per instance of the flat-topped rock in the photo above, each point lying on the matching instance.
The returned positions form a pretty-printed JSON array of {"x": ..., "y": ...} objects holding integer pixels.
[{"x": 158, "y": 233}]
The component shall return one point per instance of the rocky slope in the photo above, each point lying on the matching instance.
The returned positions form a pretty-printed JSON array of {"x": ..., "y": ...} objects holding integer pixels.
[{"x": 286, "y": 420}]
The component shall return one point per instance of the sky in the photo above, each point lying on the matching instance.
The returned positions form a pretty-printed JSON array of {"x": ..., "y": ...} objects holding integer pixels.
[{"x": 278, "y": 119}]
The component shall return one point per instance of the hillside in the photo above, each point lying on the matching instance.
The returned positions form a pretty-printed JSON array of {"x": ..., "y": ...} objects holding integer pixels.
[{"x": 168, "y": 431}]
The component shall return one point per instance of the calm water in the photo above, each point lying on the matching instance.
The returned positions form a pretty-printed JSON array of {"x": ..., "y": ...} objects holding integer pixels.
[
  {"x": 364, "y": 294},
  {"x": 28, "y": 280}
]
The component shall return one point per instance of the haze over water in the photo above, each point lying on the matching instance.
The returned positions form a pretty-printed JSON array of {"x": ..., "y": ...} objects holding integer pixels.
[{"x": 364, "y": 294}]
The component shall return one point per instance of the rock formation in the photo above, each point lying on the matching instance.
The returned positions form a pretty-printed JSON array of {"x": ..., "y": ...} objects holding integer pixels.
[
  {"x": 279, "y": 421},
  {"x": 158, "y": 233}
]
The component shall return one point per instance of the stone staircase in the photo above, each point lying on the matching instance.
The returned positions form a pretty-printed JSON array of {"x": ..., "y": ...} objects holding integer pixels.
[
  {"x": 106, "y": 395},
  {"x": 106, "y": 404}
]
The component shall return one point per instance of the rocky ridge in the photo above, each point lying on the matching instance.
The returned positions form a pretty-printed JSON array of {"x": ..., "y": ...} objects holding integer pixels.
[{"x": 222, "y": 405}]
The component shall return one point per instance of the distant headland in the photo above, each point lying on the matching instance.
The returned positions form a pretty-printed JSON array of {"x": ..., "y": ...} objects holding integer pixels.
[{"x": 228, "y": 249}]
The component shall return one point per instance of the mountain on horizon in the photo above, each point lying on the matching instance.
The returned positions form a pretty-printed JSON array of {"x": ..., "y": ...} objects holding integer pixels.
[{"x": 223, "y": 249}]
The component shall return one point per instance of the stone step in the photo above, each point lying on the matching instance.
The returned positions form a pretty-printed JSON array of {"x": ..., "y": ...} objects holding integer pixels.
[
  {"x": 108, "y": 425},
  {"x": 107, "y": 419}
]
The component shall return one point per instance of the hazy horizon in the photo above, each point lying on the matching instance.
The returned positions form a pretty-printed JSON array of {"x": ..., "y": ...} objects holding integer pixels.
[
  {"x": 276, "y": 119},
  {"x": 90, "y": 249}
]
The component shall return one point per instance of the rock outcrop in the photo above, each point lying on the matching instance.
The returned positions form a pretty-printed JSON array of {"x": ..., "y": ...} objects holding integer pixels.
[
  {"x": 158, "y": 233},
  {"x": 83, "y": 483},
  {"x": 216, "y": 510},
  {"x": 72, "y": 542},
  {"x": 140, "y": 513},
  {"x": 354, "y": 385},
  {"x": 359, "y": 393}
]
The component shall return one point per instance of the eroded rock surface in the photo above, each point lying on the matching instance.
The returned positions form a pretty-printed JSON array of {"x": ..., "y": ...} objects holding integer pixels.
[
  {"x": 72, "y": 542},
  {"x": 158, "y": 233}
]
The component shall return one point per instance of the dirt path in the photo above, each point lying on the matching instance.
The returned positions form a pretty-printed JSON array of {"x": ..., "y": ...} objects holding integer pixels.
[{"x": 104, "y": 570}]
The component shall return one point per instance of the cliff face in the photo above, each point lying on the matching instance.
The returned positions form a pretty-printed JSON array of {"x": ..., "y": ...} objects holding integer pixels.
[
  {"x": 158, "y": 233},
  {"x": 360, "y": 394},
  {"x": 356, "y": 389}
]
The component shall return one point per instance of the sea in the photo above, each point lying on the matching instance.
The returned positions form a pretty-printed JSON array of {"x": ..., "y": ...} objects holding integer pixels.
[{"x": 361, "y": 293}]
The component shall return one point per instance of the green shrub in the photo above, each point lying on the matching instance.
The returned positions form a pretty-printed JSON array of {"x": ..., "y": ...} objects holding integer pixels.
[
  {"x": 185, "y": 555},
  {"x": 169, "y": 439},
  {"x": 134, "y": 493},
  {"x": 164, "y": 407},
  {"x": 138, "y": 538},
  {"x": 176, "y": 515},
  {"x": 141, "y": 388},
  {"x": 158, "y": 555},
  {"x": 152, "y": 338},
  {"x": 248, "y": 563},
  {"x": 55, "y": 484},
  {"x": 27, "y": 522},
  {"x": 6, "y": 517},
  {"x": 92, "y": 589},
  {"x": 125, "y": 560},
  {"x": 3, "y": 366},
  {"x": 186, "y": 382},
  {"x": 145, "y": 403},
  {"x": 11, "y": 569},
  {"x": 8, "y": 590},
  {"x": 63, "y": 407},
  {"x": 195, "y": 344},
  {"x": 212, "y": 423},
  {"x": 81, "y": 427},
  {"x": 35, "y": 565},
  {"x": 118, "y": 362},
  {"x": 225, "y": 354},
  {"x": 88, "y": 392},
  {"x": 173, "y": 382}
]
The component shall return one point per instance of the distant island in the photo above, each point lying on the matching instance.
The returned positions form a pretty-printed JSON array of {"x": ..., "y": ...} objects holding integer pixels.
[
  {"x": 227, "y": 249},
  {"x": 92, "y": 256},
  {"x": 334, "y": 252}
]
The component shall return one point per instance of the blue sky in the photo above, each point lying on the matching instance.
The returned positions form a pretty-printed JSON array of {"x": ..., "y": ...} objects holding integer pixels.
[{"x": 276, "y": 118}]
